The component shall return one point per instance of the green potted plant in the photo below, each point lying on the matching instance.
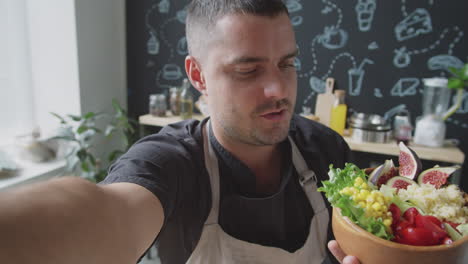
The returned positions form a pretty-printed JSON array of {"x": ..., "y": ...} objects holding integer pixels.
[
  {"x": 458, "y": 81},
  {"x": 81, "y": 133}
]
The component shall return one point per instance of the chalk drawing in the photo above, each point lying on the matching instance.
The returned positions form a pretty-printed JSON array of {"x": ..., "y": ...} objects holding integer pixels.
[
  {"x": 393, "y": 111},
  {"x": 182, "y": 46},
  {"x": 164, "y": 6},
  {"x": 355, "y": 77},
  {"x": 158, "y": 81},
  {"x": 365, "y": 14},
  {"x": 317, "y": 85},
  {"x": 413, "y": 25},
  {"x": 293, "y": 6},
  {"x": 405, "y": 87},
  {"x": 335, "y": 60},
  {"x": 443, "y": 62},
  {"x": 378, "y": 93},
  {"x": 297, "y": 64},
  {"x": 164, "y": 39},
  {"x": 403, "y": 56},
  {"x": 333, "y": 38},
  {"x": 314, "y": 60},
  {"x": 460, "y": 34},
  {"x": 326, "y": 10},
  {"x": 171, "y": 72},
  {"x": 296, "y": 20},
  {"x": 152, "y": 46},
  {"x": 182, "y": 15},
  {"x": 373, "y": 46}
]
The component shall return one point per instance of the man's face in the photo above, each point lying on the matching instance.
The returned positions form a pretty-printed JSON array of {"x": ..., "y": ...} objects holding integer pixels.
[{"x": 250, "y": 77}]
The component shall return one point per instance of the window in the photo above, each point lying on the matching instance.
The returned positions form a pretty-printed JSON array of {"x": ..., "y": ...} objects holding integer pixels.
[
  {"x": 16, "y": 90},
  {"x": 38, "y": 66}
]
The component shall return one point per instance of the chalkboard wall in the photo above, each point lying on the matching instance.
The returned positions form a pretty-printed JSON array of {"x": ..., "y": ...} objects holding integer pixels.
[{"x": 378, "y": 51}]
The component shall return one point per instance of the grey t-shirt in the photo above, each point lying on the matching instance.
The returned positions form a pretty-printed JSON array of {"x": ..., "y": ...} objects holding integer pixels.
[{"x": 171, "y": 165}]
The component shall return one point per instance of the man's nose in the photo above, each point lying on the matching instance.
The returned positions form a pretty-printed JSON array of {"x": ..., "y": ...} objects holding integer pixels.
[{"x": 275, "y": 86}]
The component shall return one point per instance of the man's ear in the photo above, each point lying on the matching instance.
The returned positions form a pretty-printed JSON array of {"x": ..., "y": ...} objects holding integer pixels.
[{"x": 195, "y": 74}]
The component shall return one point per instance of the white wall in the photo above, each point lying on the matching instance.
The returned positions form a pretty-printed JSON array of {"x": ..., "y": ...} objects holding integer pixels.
[
  {"x": 54, "y": 60},
  {"x": 101, "y": 57},
  {"x": 79, "y": 58}
]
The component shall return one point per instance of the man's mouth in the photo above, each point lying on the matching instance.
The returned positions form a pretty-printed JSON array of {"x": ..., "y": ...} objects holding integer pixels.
[{"x": 275, "y": 115}]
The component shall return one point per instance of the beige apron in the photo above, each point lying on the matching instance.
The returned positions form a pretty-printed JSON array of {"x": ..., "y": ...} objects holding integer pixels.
[{"x": 217, "y": 247}]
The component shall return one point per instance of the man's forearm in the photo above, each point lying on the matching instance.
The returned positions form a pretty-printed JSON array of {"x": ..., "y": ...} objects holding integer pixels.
[{"x": 67, "y": 220}]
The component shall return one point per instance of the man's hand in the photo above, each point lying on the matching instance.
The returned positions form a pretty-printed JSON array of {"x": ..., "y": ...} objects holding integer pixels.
[{"x": 340, "y": 255}]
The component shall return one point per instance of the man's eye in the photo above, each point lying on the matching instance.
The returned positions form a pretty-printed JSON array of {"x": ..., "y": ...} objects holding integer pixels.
[
  {"x": 288, "y": 66},
  {"x": 246, "y": 72}
]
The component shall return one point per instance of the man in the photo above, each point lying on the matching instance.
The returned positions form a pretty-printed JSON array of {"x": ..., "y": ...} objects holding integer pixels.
[{"x": 239, "y": 187}]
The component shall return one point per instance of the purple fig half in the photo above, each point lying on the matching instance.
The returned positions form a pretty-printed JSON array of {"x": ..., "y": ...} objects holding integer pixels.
[
  {"x": 383, "y": 173},
  {"x": 410, "y": 164},
  {"x": 437, "y": 176},
  {"x": 399, "y": 182}
]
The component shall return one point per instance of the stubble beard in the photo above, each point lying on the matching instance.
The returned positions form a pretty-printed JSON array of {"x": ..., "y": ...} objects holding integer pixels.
[{"x": 255, "y": 135}]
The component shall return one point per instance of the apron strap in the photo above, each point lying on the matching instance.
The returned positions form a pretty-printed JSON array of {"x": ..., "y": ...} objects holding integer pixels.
[
  {"x": 307, "y": 179},
  {"x": 211, "y": 164}
]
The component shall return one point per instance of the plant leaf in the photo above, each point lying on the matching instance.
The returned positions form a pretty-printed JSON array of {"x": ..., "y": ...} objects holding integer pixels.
[
  {"x": 454, "y": 83},
  {"x": 109, "y": 130},
  {"x": 62, "y": 120},
  {"x": 89, "y": 115},
  {"x": 81, "y": 129},
  {"x": 82, "y": 154},
  {"x": 84, "y": 166},
  {"x": 75, "y": 117}
]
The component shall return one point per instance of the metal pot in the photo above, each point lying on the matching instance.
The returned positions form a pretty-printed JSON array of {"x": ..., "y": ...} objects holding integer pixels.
[{"x": 369, "y": 128}]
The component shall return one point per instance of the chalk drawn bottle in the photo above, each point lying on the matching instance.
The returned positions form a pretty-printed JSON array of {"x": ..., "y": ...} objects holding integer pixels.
[
  {"x": 338, "y": 112},
  {"x": 186, "y": 101}
]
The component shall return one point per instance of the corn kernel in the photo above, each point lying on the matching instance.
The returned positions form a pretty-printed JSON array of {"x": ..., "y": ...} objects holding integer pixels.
[
  {"x": 370, "y": 199},
  {"x": 358, "y": 180},
  {"x": 387, "y": 222},
  {"x": 364, "y": 185},
  {"x": 362, "y": 204},
  {"x": 389, "y": 214},
  {"x": 376, "y": 206}
]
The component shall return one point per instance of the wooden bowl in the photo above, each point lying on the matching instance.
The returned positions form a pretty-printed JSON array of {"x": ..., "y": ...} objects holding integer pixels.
[{"x": 370, "y": 249}]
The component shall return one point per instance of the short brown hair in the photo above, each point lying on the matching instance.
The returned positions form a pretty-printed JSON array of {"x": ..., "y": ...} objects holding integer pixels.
[{"x": 202, "y": 15}]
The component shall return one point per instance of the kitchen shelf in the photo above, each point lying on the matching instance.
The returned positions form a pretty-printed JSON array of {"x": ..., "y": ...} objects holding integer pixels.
[{"x": 450, "y": 154}]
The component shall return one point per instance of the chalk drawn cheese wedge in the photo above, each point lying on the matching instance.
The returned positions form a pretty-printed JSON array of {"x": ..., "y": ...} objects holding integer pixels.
[
  {"x": 415, "y": 24},
  {"x": 405, "y": 87},
  {"x": 444, "y": 62}
]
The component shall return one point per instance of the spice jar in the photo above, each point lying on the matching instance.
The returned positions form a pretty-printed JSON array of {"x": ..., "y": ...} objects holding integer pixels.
[
  {"x": 158, "y": 105},
  {"x": 174, "y": 100}
]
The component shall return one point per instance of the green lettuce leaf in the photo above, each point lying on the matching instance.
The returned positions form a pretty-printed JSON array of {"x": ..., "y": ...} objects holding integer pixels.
[{"x": 340, "y": 178}]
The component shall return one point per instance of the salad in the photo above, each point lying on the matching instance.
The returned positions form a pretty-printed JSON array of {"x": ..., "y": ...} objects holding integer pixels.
[{"x": 401, "y": 204}]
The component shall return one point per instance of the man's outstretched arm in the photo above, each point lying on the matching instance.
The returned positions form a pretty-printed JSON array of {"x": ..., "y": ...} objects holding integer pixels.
[{"x": 70, "y": 220}]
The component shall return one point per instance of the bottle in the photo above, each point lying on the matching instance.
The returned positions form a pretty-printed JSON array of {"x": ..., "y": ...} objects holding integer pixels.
[
  {"x": 402, "y": 127},
  {"x": 338, "y": 112},
  {"x": 186, "y": 101},
  {"x": 174, "y": 100}
]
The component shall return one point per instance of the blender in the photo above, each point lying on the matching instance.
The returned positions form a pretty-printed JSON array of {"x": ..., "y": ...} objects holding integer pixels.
[{"x": 430, "y": 127}]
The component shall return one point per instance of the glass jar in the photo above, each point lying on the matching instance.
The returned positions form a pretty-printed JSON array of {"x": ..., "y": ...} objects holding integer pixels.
[
  {"x": 174, "y": 100},
  {"x": 158, "y": 105},
  {"x": 186, "y": 101}
]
